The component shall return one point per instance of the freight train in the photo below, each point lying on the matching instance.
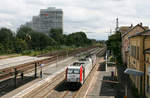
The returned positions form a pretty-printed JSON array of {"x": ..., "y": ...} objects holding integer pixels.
[{"x": 78, "y": 71}]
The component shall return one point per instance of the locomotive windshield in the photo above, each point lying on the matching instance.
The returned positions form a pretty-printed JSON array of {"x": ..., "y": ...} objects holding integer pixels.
[{"x": 73, "y": 71}]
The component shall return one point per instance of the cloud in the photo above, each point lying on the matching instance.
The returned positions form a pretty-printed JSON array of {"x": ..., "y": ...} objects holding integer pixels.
[{"x": 96, "y": 16}]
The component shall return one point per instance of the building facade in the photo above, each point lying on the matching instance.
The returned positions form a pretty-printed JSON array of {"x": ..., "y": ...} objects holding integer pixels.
[
  {"x": 139, "y": 60},
  {"x": 48, "y": 19},
  {"x": 125, "y": 40},
  {"x": 124, "y": 48},
  {"x": 147, "y": 76}
]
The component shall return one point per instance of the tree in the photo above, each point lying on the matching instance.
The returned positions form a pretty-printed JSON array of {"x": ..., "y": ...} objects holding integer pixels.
[
  {"x": 23, "y": 32},
  {"x": 6, "y": 39},
  {"x": 57, "y": 35},
  {"x": 5, "y": 35},
  {"x": 39, "y": 40},
  {"x": 1, "y": 49},
  {"x": 77, "y": 39},
  {"x": 20, "y": 45},
  {"x": 114, "y": 44}
]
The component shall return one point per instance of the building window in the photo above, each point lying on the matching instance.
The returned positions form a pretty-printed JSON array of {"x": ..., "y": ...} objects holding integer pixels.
[
  {"x": 133, "y": 51},
  {"x": 138, "y": 53},
  {"x": 147, "y": 59}
]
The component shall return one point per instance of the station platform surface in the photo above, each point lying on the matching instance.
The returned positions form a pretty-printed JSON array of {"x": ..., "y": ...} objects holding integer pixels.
[
  {"x": 105, "y": 84},
  {"x": 48, "y": 73},
  {"x": 16, "y": 61},
  {"x": 102, "y": 85}
]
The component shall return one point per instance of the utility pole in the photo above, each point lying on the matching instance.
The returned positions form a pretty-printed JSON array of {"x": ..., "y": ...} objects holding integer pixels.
[
  {"x": 110, "y": 32},
  {"x": 106, "y": 61},
  {"x": 117, "y": 24}
]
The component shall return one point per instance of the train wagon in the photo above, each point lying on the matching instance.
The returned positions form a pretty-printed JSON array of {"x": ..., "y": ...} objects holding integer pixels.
[{"x": 79, "y": 70}]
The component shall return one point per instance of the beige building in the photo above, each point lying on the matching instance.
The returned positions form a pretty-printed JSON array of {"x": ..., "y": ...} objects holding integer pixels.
[
  {"x": 139, "y": 60},
  {"x": 125, "y": 39},
  {"x": 147, "y": 64}
]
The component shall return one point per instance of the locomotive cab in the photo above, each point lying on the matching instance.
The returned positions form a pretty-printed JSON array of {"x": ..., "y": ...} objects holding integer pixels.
[{"x": 75, "y": 73}]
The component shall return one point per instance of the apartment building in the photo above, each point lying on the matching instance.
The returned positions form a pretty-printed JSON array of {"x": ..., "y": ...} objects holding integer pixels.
[{"x": 48, "y": 19}]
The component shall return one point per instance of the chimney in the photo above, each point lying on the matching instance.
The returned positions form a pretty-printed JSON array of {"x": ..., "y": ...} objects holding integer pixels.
[{"x": 141, "y": 23}]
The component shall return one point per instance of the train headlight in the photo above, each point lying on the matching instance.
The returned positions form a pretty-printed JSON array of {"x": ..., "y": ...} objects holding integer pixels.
[{"x": 78, "y": 79}]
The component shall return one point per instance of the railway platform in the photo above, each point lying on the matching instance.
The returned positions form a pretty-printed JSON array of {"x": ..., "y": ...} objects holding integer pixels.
[
  {"x": 48, "y": 73},
  {"x": 104, "y": 84}
]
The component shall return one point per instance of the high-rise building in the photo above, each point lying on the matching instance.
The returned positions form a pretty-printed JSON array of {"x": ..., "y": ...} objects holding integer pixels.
[{"x": 48, "y": 19}]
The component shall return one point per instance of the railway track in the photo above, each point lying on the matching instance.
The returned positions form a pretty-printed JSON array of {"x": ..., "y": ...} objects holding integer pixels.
[
  {"x": 29, "y": 67},
  {"x": 70, "y": 94},
  {"x": 46, "y": 88},
  {"x": 53, "y": 90},
  {"x": 49, "y": 88},
  {"x": 76, "y": 93}
]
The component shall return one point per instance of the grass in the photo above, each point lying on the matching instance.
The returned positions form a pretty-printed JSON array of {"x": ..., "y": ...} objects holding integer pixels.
[
  {"x": 9, "y": 55},
  {"x": 48, "y": 50}
]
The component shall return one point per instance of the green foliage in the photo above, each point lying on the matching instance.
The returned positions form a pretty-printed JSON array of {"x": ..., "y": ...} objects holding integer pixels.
[
  {"x": 57, "y": 35},
  {"x": 30, "y": 42},
  {"x": 26, "y": 52},
  {"x": 112, "y": 59},
  {"x": 114, "y": 44},
  {"x": 20, "y": 45},
  {"x": 1, "y": 48},
  {"x": 6, "y": 36},
  {"x": 23, "y": 33},
  {"x": 38, "y": 41},
  {"x": 78, "y": 39}
]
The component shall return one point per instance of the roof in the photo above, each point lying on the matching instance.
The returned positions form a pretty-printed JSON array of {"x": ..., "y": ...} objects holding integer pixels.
[
  {"x": 124, "y": 29},
  {"x": 76, "y": 64},
  {"x": 133, "y": 72},
  {"x": 144, "y": 33},
  {"x": 74, "y": 67},
  {"x": 131, "y": 28}
]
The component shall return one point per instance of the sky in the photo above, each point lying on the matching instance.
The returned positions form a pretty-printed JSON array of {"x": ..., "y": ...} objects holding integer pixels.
[{"x": 95, "y": 17}]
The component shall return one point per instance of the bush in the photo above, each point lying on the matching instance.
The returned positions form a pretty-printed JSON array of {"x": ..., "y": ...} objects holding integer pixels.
[
  {"x": 1, "y": 49},
  {"x": 112, "y": 59},
  {"x": 26, "y": 52}
]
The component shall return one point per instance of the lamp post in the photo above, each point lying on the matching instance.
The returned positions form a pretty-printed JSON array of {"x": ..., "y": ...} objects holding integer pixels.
[
  {"x": 106, "y": 60},
  {"x": 41, "y": 73}
]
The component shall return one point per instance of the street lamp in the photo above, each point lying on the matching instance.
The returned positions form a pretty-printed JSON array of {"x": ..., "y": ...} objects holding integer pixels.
[{"x": 106, "y": 61}]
